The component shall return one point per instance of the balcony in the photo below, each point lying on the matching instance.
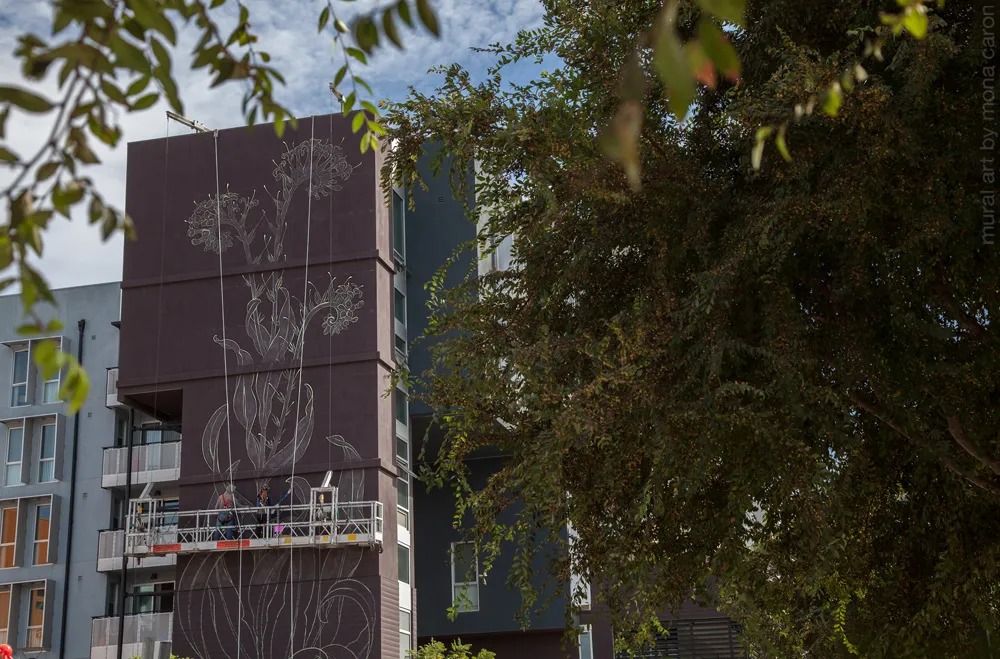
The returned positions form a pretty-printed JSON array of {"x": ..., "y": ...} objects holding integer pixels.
[
  {"x": 112, "y": 390},
  {"x": 147, "y": 635},
  {"x": 111, "y": 547},
  {"x": 151, "y": 463}
]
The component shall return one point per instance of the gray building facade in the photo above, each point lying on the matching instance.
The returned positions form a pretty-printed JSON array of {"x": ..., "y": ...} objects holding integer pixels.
[{"x": 50, "y": 512}]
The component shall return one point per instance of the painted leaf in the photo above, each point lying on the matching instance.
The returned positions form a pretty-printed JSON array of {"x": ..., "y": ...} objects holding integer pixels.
[
  {"x": 210, "y": 438},
  {"x": 243, "y": 357}
]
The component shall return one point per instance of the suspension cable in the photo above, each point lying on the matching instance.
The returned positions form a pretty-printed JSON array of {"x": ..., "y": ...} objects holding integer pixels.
[
  {"x": 298, "y": 397},
  {"x": 225, "y": 372}
]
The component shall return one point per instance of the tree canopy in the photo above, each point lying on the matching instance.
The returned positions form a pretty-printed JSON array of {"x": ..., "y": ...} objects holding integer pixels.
[{"x": 774, "y": 388}]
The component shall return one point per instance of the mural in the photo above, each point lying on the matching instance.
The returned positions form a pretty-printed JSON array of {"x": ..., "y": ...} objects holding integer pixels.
[{"x": 308, "y": 604}]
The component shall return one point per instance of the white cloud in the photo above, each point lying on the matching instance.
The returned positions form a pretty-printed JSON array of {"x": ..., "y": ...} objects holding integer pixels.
[{"x": 74, "y": 254}]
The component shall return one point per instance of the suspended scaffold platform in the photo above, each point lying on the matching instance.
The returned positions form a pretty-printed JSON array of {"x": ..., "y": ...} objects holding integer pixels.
[{"x": 323, "y": 522}]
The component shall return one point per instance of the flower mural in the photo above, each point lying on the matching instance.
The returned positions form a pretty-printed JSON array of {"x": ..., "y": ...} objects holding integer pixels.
[{"x": 272, "y": 412}]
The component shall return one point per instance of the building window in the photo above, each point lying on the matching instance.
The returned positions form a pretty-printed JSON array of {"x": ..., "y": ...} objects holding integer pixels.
[
  {"x": 47, "y": 454},
  {"x": 403, "y": 502},
  {"x": 400, "y": 345},
  {"x": 404, "y": 564},
  {"x": 19, "y": 379},
  {"x": 399, "y": 306},
  {"x": 50, "y": 388},
  {"x": 402, "y": 405},
  {"x": 398, "y": 239},
  {"x": 36, "y": 617},
  {"x": 4, "y": 613},
  {"x": 15, "y": 449},
  {"x": 170, "y": 509},
  {"x": 405, "y": 642},
  {"x": 402, "y": 451},
  {"x": 43, "y": 517},
  {"x": 8, "y": 536},
  {"x": 586, "y": 641},
  {"x": 464, "y": 576},
  {"x": 151, "y": 433}
]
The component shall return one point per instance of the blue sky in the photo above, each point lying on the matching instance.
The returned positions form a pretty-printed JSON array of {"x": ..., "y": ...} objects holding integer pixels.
[{"x": 74, "y": 254}]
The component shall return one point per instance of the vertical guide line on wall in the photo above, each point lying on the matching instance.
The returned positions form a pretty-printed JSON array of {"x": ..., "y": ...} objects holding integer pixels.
[
  {"x": 298, "y": 396},
  {"x": 225, "y": 373}
]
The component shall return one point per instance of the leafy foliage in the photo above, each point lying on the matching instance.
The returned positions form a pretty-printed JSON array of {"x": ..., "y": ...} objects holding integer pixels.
[
  {"x": 458, "y": 650},
  {"x": 111, "y": 56},
  {"x": 775, "y": 389}
]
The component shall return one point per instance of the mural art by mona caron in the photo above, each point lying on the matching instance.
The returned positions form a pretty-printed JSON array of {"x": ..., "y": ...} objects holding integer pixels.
[{"x": 272, "y": 297}]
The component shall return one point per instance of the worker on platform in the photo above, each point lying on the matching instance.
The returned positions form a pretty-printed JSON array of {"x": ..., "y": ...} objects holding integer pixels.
[
  {"x": 263, "y": 504},
  {"x": 226, "y": 523}
]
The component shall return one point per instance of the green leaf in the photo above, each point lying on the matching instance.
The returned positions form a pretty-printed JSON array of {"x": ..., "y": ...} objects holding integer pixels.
[
  {"x": 365, "y": 142},
  {"x": 146, "y": 101},
  {"x": 760, "y": 142},
  {"x": 349, "y": 103},
  {"x": 428, "y": 17},
  {"x": 127, "y": 56},
  {"x": 357, "y": 122},
  {"x": 137, "y": 86},
  {"x": 733, "y": 11},
  {"x": 25, "y": 100},
  {"x": 161, "y": 54},
  {"x": 46, "y": 171},
  {"x": 324, "y": 18},
  {"x": 7, "y": 156},
  {"x": 358, "y": 55},
  {"x": 371, "y": 108},
  {"x": 782, "y": 147},
  {"x": 915, "y": 20},
  {"x": 339, "y": 78},
  {"x": 404, "y": 12},
  {"x": 718, "y": 49},
  {"x": 151, "y": 16},
  {"x": 389, "y": 27},
  {"x": 341, "y": 26},
  {"x": 112, "y": 92},
  {"x": 46, "y": 355},
  {"x": 834, "y": 99},
  {"x": 671, "y": 63}
]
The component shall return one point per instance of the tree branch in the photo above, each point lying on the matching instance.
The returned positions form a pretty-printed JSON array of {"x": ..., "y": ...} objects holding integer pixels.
[
  {"x": 947, "y": 461},
  {"x": 958, "y": 434}
]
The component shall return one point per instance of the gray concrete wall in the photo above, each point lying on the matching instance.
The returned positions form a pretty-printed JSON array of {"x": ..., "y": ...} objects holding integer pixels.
[{"x": 98, "y": 305}]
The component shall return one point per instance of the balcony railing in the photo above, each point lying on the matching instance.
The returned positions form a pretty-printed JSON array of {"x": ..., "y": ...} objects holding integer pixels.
[
  {"x": 112, "y": 391},
  {"x": 151, "y": 463},
  {"x": 145, "y": 636},
  {"x": 111, "y": 546}
]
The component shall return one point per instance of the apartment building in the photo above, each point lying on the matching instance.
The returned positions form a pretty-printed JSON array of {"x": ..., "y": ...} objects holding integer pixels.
[{"x": 52, "y": 502}]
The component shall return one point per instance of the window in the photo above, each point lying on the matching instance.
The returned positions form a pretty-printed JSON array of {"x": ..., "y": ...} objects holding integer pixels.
[
  {"x": 4, "y": 612},
  {"x": 43, "y": 517},
  {"x": 152, "y": 433},
  {"x": 403, "y": 502},
  {"x": 464, "y": 576},
  {"x": 401, "y": 406},
  {"x": 400, "y": 345},
  {"x": 153, "y": 597},
  {"x": 19, "y": 379},
  {"x": 170, "y": 508},
  {"x": 402, "y": 450},
  {"x": 8, "y": 536},
  {"x": 399, "y": 306},
  {"x": 15, "y": 449},
  {"x": 404, "y": 564},
  {"x": 121, "y": 428},
  {"x": 50, "y": 388},
  {"x": 398, "y": 240},
  {"x": 47, "y": 455},
  {"x": 36, "y": 617},
  {"x": 586, "y": 641},
  {"x": 404, "y": 634}
]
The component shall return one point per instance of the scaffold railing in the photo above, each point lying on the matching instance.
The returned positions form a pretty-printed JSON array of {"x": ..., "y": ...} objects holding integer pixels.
[{"x": 324, "y": 521}]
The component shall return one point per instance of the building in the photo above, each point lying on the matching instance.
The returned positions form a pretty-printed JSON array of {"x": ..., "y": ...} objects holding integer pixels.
[{"x": 52, "y": 502}]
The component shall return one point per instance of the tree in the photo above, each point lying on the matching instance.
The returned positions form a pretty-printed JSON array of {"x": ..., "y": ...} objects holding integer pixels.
[
  {"x": 458, "y": 650},
  {"x": 774, "y": 389},
  {"x": 111, "y": 56}
]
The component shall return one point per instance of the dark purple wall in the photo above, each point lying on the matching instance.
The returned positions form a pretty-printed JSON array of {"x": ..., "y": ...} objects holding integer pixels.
[{"x": 324, "y": 385}]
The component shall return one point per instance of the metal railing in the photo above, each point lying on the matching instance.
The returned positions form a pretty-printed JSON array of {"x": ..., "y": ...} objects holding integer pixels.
[
  {"x": 138, "y": 628},
  {"x": 150, "y": 462},
  {"x": 111, "y": 549},
  {"x": 320, "y": 522}
]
